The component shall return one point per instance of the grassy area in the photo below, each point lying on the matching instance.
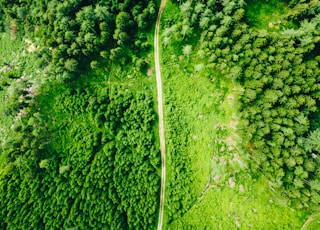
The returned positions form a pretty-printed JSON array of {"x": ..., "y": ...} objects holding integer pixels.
[
  {"x": 15, "y": 62},
  {"x": 314, "y": 224},
  {"x": 9, "y": 48},
  {"x": 267, "y": 15},
  {"x": 201, "y": 128},
  {"x": 229, "y": 208}
]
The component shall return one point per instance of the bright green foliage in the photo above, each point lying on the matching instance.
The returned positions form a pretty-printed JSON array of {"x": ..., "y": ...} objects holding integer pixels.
[
  {"x": 226, "y": 208},
  {"x": 193, "y": 115},
  {"x": 241, "y": 99},
  {"x": 279, "y": 73},
  {"x": 85, "y": 156},
  {"x": 266, "y": 14},
  {"x": 96, "y": 168}
]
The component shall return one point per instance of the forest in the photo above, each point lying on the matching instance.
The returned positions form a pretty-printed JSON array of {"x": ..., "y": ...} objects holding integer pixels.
[
  {"x": 76, "y": 35},
  {"x": 96, "y": 181},
  {"x": 76, "y": 153},
  {"x": 79, "y": 127},
  {"x": 273, "y": 68}
]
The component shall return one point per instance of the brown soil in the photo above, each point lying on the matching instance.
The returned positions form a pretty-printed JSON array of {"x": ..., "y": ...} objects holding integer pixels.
[
  {"x": 13, "y": 30},
  {"x": 150, "y": 72}
]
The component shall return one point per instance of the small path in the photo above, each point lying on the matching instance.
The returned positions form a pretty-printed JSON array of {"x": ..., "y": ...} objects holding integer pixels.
[
  {"x": 309, "y": 220},
  {"x": 160, "y": 114}
]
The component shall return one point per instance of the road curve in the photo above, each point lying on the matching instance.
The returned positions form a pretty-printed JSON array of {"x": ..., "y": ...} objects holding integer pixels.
[{"x": 160, "y": 114}]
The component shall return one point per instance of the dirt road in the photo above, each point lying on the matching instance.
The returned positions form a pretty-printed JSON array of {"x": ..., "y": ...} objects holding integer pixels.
[{"x": 160, "y": 114}]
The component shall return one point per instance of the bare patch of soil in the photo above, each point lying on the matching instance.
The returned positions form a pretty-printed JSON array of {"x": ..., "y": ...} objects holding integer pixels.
[
  {"x": 233, "y": 124},
  {"x": 232, "y": 182},
  {"x": 150, "y": 72},
  {"x": 13, "y": 30},
  {"x": 31, "y": 48}
]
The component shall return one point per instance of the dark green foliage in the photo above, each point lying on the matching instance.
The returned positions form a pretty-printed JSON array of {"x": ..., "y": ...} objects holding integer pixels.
[
  {"x": 180, "y": 191},
  {"x": 95, "y": 169},
  {"x": 74, "y": 33},
  {"x": 141, "y": 65}
]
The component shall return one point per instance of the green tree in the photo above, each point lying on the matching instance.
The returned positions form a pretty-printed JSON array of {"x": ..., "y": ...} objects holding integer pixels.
[
  {"x": 204, "y": 23},
  {"x": 312, "y": 142},
  {"x": 116, "y": 54},
  {"x": 123, "y": 21},
  {"x": 187, "y": 51},
  {"x": 102, "y": 13},
  {"x": 185, "y": 30},
  {"x": 186, "y": 7},
  {"x": 71, "y": 65}
]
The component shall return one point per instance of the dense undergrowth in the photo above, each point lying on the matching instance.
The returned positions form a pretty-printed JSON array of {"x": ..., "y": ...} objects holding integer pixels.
[
  {"x": 78, "y": 147},
  {"x": 87, "y": 157}
]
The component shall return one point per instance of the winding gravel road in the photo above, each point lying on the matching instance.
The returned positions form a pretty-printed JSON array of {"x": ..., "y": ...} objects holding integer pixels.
[{"x": 160, "y": 114}]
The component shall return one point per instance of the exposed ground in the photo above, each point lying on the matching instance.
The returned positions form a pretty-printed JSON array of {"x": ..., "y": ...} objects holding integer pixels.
[{"x": 160, "y": 114}]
